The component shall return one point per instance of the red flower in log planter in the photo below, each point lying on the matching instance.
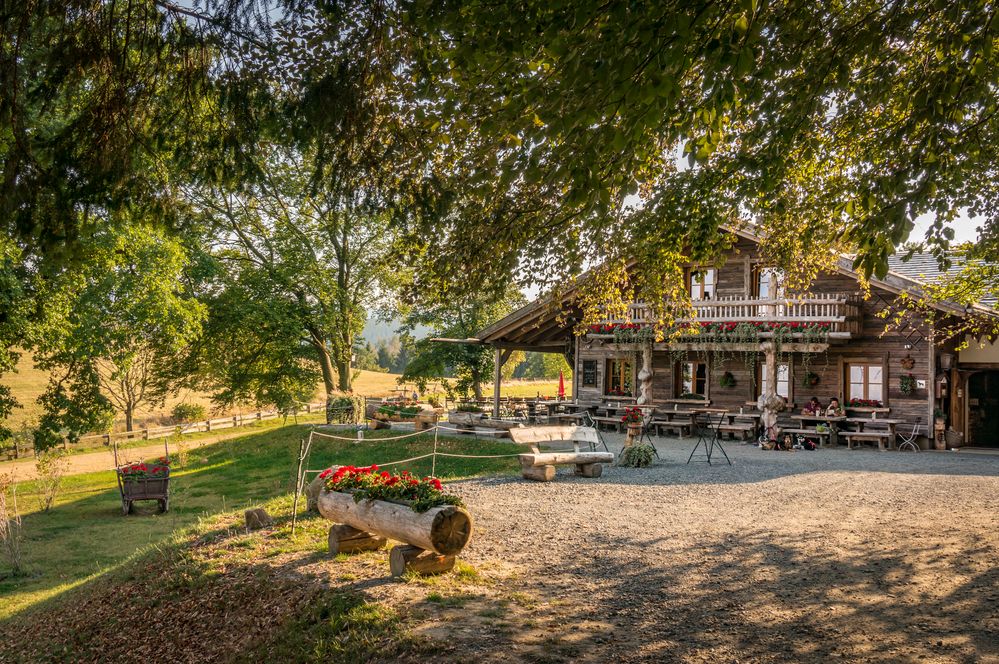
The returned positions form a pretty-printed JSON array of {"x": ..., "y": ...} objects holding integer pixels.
[{"x": 368, "y": 483}]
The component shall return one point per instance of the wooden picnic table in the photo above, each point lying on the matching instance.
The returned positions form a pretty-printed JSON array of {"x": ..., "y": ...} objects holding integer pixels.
[
  {"x": 674, "y": 420},
  {"x": 879, "y": 432},
  {"x": 571, "y": 418},
  {"x": 829, "y": 420}
]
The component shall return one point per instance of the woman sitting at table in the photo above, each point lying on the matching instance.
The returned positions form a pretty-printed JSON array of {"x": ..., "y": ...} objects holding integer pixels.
[
  {"x": 813, "y": 407},
  {"x": 834, "y": 409}
]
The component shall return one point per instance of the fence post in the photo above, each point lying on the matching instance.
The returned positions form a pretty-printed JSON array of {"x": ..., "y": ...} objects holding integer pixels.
[
  {"x": 308, "y": 408},
  {"x": 259, "y": 416},
  {"x": 145, "y": 434},
  {"x": 208, "y": 425},
  {"x": 235, "y": 421},
  {"x": 107, "y": 439}
]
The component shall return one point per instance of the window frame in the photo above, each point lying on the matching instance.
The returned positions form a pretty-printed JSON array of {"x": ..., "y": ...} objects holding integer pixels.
[
  {"x": 692, "y": 273},
  {"x": 761, "y": 375},
  {"x": 866, "y": 363},
  {"x": 678, "y": 390},
  {"x": 624, "y": 362}
]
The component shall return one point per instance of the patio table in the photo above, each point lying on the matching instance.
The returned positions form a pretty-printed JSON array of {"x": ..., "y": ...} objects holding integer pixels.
[{"x": 829, "y": 420}]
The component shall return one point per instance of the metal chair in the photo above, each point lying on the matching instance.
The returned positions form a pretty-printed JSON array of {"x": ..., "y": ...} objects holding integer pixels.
[
  {"x": 908, "y": 441},
  {"x": 588, "y": 421},
  {"x": 646, "y": 434}
]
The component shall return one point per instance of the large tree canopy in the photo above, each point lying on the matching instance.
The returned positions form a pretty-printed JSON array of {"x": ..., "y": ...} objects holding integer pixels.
[{"x": 839, "y": 121}]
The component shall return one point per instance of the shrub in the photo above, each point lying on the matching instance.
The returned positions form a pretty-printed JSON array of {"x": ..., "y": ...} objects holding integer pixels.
[
  {"x": 10, "y": 524},
  {"x": 188, "y": 412},
  {"x": 51, "y": 466},
  {"x": 346, "y": 409},
  {"x": 637, "y": 456}
]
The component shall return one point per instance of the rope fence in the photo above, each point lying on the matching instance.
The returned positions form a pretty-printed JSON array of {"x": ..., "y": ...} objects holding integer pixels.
[{"x": 305, "y": 449}]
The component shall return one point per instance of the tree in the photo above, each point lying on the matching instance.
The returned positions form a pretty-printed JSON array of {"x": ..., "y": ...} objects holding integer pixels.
[
  {"x": 291, "y": 248},
  {"x": 470, "y": 364},
  {"x": 118, "y": 325},
  {"x": 827, "y": 125}
]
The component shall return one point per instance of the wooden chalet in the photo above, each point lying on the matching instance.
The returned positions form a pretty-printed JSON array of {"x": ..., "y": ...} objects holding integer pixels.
[{"x": 831, "y": 343}]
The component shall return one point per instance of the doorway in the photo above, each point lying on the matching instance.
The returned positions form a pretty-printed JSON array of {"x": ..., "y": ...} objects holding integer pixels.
[{"x": 983, "y": 409}]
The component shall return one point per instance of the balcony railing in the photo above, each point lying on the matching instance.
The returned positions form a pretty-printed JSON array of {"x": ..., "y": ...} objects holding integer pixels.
[{"x": 840, "y": 310}]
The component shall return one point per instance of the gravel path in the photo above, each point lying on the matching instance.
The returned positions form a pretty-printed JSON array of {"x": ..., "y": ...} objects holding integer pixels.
[{"x": 783, "y": 556}]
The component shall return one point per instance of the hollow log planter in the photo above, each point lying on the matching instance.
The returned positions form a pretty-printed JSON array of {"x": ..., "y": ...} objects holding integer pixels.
[
  {"x": 540, "y": 466},
  {"x": 432, "y": 538}
]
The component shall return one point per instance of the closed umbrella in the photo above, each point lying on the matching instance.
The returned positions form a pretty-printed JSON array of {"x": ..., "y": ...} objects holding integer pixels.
[{"x": 561, "y": 385}]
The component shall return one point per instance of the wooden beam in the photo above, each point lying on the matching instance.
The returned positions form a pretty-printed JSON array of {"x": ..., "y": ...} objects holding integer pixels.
[{"x": 497, "y": 376}]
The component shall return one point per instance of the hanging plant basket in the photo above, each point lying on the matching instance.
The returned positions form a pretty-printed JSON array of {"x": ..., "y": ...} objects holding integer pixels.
[
  {"x": 727, "y": 379},
  {"x": 811, "y": 379}
]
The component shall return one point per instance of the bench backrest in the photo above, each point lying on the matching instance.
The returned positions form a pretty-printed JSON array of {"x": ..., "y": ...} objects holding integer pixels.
[{"x": 542, "y": 434}]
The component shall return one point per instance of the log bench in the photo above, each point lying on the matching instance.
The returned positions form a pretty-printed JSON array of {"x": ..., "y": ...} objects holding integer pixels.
[
  {"x": 822, "y": 436},
  {"x": 540, "y": 466},
  {"x": 882, "y": 438}
]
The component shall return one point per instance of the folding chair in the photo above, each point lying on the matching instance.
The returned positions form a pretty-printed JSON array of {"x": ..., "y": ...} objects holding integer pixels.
[
  {"x": 588, "y": 421},
  {"x": 908, "y": 441}
]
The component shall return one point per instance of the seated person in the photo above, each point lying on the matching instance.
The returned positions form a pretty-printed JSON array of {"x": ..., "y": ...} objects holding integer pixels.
[
  {"x": 834, "y": 409},
  {"x": 813, "y": 407}
]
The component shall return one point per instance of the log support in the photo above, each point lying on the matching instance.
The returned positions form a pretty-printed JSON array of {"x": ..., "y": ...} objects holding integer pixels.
[
  {"x": 589, "y": 469},
  {"x": 347, "y": 539},
  {"x": 538, "y": 473},
  {"x": 407, "y": 558}
]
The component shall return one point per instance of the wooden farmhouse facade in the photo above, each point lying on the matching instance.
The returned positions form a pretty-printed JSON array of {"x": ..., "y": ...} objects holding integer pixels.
[{"x": 830, "y": 341}]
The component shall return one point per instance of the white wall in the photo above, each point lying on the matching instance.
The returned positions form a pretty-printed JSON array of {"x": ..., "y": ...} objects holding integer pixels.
[{"x": 975, "y": 353}]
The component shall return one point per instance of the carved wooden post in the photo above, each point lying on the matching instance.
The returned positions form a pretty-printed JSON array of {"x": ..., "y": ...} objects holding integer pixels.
[
  {"x": 645, "y": 376},
  {"x": 770, "y": 398}
]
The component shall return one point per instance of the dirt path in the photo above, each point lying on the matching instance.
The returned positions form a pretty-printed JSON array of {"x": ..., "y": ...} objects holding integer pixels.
[{"x": 91, "y": 462}]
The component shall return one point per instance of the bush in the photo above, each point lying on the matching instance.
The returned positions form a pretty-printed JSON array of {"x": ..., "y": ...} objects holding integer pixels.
[
  {"x": 347, "y": 409},
  {"x": 51, "y": 466},
  {"x": 188, "y": 412},
  {"x": 637, "y": 456}
]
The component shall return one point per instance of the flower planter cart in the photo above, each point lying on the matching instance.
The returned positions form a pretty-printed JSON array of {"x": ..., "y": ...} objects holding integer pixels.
[
  {"x": 431, "y": 540},
  {"x": 135, "y": 486}
]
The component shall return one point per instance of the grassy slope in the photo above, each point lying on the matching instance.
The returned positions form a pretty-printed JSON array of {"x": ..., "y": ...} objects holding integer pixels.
[
  {"x": 27, "y": 383},
  {"x": 84, "y": 536}
]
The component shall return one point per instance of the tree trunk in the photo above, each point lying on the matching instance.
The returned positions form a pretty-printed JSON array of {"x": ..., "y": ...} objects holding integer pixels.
[
  {"x": 129, "y": 410},
  {"x": 329, "y": 382},
  {"x": 343, "y": 375},
  {"x": 477, "y": 386}
]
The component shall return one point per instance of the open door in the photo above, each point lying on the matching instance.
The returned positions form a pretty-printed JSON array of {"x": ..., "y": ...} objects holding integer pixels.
[{"x": 983, "y": 409}]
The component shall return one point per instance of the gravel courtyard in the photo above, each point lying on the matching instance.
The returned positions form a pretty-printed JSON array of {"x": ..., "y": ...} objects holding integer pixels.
[{"x": 783, "y": 556}]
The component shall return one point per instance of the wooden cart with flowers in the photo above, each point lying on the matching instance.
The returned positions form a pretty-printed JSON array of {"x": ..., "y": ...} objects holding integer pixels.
[{"x": 143, "y": 481}]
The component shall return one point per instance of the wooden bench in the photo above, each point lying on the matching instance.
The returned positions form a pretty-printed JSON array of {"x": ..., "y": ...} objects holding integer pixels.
[
  {"x": 822, "y": 436},
  {"x": 745, "y": 429},
  {"x": 540, "y": 466},
  {"x": 680, "y": 427},
  {"x": 881, "y": 437},
  {"x": 608, "y": 421}
]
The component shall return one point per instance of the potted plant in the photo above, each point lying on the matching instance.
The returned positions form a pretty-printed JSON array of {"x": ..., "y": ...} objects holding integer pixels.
[
  {"x": 632, "y": 418},
  {"x": 727, "y": 379},
  {"x": 907, "y": 384},
  {"x": 811, "y": 379}
]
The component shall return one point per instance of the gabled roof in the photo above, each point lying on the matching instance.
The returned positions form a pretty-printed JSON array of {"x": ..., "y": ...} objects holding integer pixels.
[{"x": 536, "y": 325}]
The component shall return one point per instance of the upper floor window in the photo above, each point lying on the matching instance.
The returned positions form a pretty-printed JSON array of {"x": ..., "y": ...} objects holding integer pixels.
[
  {"x": 701, "y": 283},
  {"x": 767, "y": 283},
  {"x": 865, "y": 381}
]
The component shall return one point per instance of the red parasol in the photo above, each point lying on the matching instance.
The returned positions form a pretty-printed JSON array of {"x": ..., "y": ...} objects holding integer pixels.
[{"x": 561, "y": 385}]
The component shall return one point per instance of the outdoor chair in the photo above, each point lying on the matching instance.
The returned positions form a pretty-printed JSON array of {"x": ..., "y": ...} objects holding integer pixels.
[
  {"x": 907, "y": 441},
  {"x": 646, "y": 435},
  {"x": 588, "y": 421}
]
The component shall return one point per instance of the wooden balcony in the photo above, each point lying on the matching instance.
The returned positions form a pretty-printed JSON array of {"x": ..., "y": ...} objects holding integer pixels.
[{"x": 839, "y": 311}]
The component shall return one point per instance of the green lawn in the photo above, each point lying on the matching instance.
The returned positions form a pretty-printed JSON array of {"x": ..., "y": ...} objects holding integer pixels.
[{"x": 85, "y": 536}]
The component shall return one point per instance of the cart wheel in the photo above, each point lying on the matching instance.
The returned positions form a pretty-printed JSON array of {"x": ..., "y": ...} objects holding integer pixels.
[{"x": 164, "y": 504}]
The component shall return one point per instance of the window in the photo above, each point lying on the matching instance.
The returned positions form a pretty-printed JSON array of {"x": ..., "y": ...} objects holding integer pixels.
[
  {"x": 865, "y": 381},
  {"x": 618, "y": 382},
  {"x": 589, "y": 373},
  {"x": 767, "y": 283},
  {"x": 783, "y": 380},
  {"x": 691, "y": 378},
  {"x": 701, "y": 284}
]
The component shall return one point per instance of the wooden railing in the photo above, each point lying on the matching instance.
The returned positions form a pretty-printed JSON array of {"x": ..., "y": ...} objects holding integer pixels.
[{"x": 840, "y": 310}]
